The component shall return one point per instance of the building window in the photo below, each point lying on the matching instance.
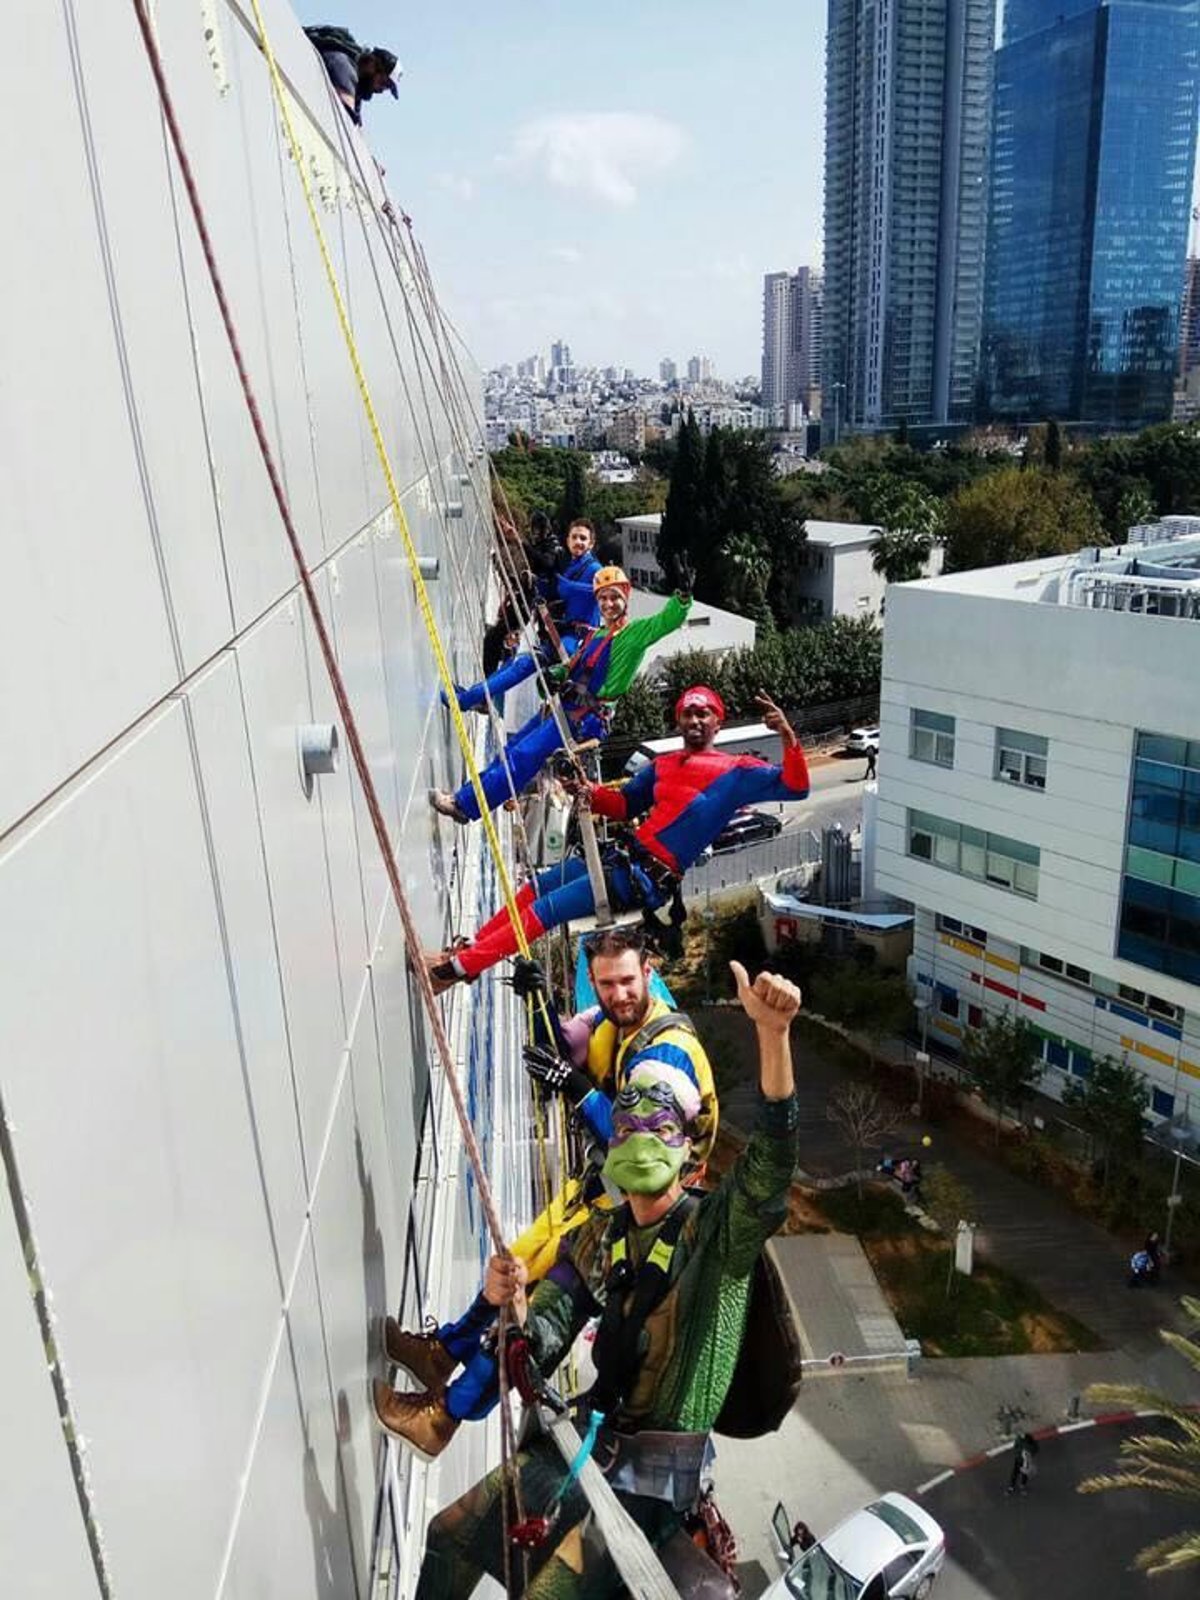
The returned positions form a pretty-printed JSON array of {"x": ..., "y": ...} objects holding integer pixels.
[
  {"x": 1021, "y": 758},
  {"x": 963, "y": 929},
  {"x": 975, "y": 1016},
  {"x": 931, "y": 738},
  {"x": 1056, "y": 1055},
  {"x": 948, "y": 1003},
  {"x": 988, "y": 857},
  {"x": 1160, "y": 902}
]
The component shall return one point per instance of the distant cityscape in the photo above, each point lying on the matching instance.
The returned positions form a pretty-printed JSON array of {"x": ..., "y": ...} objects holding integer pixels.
[{"x": 1006, "y": 241}]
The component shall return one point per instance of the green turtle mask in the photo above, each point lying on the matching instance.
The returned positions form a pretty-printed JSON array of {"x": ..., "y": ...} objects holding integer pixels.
[{"x": 649, "y": 1143}]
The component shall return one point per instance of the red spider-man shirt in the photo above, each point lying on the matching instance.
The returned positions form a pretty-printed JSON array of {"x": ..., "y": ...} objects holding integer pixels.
[{"x": 691, "y": 796}]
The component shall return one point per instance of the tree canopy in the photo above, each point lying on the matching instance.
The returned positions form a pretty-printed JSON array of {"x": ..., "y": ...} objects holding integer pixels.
[
  {"x": 1003, "y": 1059},
  {"x": 1018, "y": 514}
]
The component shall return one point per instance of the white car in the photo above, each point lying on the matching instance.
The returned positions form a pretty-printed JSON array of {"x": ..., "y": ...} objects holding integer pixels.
[
  {"x": 861, "y": 740},
  {"x": 891, "y": 1548}
]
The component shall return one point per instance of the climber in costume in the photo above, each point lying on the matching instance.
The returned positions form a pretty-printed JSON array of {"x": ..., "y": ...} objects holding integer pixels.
[
  {"x": 570, "y": 572},
  {"x": 688, "y": 796},
  {"x": 669, "y": 1274},
  {"x": 630, "y": 1029},
  {"x": 604, "y": 664}
]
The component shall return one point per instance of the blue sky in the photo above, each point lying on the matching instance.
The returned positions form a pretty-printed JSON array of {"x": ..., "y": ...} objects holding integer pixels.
[{"x": 620, "y": 176}]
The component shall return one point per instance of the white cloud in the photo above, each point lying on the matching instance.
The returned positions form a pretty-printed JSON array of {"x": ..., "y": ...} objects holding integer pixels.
[
  {"x": 461, "y": 188},
  {"x": 567, "y": 254},
  {"x": 601, "y": 153}
]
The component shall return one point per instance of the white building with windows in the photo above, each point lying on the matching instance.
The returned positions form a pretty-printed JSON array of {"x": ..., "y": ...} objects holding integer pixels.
[
  {"x": 837, "y": 577},
  {"x": 1039, "y": 805}
]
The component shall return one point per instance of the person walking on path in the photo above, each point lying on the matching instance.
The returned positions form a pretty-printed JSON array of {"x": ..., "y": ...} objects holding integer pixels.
[
  {"x": 1025, "y": 1448},
  {"x": 872, "y": 761}
]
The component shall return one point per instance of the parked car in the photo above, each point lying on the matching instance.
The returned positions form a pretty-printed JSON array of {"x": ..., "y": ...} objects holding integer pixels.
[
  {"x": 890, "y": 1550},
  {"x": 861, "y": 740},
  {"x": 747, "y": 827}
]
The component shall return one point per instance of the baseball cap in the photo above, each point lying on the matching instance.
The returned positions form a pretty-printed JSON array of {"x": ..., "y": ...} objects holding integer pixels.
[{"x": 391, "y": 66}]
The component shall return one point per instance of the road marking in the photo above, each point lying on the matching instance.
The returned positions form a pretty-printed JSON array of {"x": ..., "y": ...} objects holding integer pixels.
[
  {"x": 1074, "y": 1427},
  {"x": 999, "y": 1449},
  {"x": 933, "y": 1482}
]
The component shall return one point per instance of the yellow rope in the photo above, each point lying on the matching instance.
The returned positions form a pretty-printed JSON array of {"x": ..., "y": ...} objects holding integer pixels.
[{"x": 381, "y": 451}]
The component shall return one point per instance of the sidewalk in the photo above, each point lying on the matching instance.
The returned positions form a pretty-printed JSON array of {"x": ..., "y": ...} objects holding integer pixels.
[{"x": 1029, "y": 1231}]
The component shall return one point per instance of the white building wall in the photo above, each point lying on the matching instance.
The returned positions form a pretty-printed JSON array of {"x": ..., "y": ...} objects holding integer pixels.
[
  {"x": 1085, "y": 680},
  {"x": 213, "y": 1077}
]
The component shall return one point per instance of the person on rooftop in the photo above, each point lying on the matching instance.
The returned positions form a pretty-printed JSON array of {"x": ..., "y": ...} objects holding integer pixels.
[{"x": 356, "y": 73}]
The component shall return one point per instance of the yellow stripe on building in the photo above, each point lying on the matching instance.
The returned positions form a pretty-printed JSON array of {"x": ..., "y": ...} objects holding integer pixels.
[
  {"x": 964, "y": 945},
  {"x": 1002, "y": 961}
]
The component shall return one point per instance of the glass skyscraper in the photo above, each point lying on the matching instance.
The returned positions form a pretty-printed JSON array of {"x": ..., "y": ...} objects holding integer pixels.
[
  {"x": 908, "y": 102},
  {"x": 1093, "y": 153},
  {"x": 1160, "y": 900}
]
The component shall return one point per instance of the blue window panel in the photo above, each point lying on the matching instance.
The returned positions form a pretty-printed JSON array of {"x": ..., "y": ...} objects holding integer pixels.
[
  {"x": 947, "y": 989},
  {"x": 1056, "y": 1054},
  {"x": 1125, "y": 1013},
  {"x": 1169, "y": 1028},
  {"x": 1081, "y": 1064},
  {"x": 1162, "y": 1104}
]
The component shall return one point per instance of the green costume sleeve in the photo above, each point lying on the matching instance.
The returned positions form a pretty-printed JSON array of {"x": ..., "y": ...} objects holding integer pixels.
[
  {"x": 565, "y": 1299},
  {"x": 635, "y": 638},
  {"x": 752, "y": 1200}
]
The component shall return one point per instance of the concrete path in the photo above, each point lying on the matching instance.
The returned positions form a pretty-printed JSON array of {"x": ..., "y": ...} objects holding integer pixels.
[
  {"x": 1029, "y": 1231},
  {"x": 836, "y": 1302}
]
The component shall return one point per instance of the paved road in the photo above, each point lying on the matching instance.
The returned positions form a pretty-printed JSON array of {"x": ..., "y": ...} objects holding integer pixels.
[{"x": 1054, "y": 1541}]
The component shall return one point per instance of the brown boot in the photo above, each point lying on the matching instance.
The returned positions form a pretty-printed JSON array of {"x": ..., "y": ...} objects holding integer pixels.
[
  {"x": 443, "y": 974},
  {"x": 422, "y": 1355},
  {"x": 420, "y": 1421}
]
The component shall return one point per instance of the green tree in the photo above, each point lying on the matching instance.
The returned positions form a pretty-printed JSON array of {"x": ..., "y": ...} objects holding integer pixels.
[
  {"x": 899, "y": 555},
  {"x": 684, "y": 525},
  {"x": 864, "y": 1001},
  {"x": 1164, "y": 1463},
  {"x": 1002, "y": 1058},
  {"x": 948, "y": 1201},
  {"x": 1053, "y": 455},
  {"x": 1136, "y": 505},
  {"x": 1111, "y": 1105},
  {"x": 573, "y": 501},
  {"x": 641, "y": 712},
  {"x": 1015, "y": 515},
  {"x": 748, "y": 566}
]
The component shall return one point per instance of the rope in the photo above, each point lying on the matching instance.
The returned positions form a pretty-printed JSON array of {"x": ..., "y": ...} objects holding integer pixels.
[
  {"x": 381, "y": 451},
  {"x": 353, "y": 739}
]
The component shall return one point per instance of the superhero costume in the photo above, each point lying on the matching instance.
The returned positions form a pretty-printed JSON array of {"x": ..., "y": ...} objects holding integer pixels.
[
  {"x": 602, "y": 667},
  {"x": 667, "y": 1397},
  {"x": 688, "y": 797}
]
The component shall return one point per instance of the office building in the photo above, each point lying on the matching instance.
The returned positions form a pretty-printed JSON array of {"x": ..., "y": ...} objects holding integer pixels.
[
  {"x": 1095, "y": 142},
  {"x": 791, "y": 355},
  {"x": 1039, "y": 805},
  {"x": 1189, "y": 320},
  {"x": 699, "y": 369},
  {"x": 668, "y": 372},
  {"x": 908, "y": 107},
  {"x": 836, "y": 575}
]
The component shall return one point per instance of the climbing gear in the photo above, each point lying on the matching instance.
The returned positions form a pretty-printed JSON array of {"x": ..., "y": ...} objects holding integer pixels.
[
  {"x": 419, "y": 1421},
  {"x": 700, "y": 696},
  {"x": 422, "y": 1355},
  {"x": 631, "y": 1294},
  {"x": 610, "y": 578},
  {"x": 556, "y": 1075},
  {"x": 324, "y": 38}
]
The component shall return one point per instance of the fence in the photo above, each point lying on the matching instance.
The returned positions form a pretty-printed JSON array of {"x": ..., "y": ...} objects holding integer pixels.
[{"x": 734, "y": 869}]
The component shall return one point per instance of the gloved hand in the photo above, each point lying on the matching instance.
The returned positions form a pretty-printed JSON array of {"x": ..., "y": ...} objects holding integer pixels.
[
  {"x": 528, "y": 978},
  {"x": 683, "y": 577},
  {"x": 557, "y": 1076}
]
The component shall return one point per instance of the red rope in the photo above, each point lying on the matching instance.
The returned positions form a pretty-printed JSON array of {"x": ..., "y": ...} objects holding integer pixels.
[{"x": 357, "y": 752}]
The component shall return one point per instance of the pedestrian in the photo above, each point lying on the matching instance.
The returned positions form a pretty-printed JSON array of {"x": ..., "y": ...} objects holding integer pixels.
[
  {"x": 802, "y": 1539},
  {"x": 904, "y": 1177},
  {"x": 1154, "y": 1250},
  {"x": 1025, "y": 1448},
  {"x": 914, "y": 1173},
  {"x": 1141, "y": 1269},
  {"x": 872, "y": 760}
]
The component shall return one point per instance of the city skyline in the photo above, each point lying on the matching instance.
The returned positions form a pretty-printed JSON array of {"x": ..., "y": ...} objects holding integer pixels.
[{"x": 601, "y": 191}]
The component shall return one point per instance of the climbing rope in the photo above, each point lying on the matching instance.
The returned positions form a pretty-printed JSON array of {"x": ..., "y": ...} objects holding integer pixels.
[{"x": 353, "y": 738}]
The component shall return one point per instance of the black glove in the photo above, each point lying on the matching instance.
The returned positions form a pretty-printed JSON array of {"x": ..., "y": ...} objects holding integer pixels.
[
  {"x": 557, "y": 1076},
  {"x": 528, "y": 979},
  {"x": 683, "y": 576}
]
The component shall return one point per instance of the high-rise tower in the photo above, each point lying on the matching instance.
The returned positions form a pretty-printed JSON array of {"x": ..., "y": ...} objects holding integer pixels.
[
  {"x": 1096, "y": 105},
  {"x": 908, "y": 106}
]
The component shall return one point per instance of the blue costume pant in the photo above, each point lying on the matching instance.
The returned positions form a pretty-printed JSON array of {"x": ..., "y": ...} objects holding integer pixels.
[
  {"x": 522, "y": 666},
  {"x": 524, "y": 756},
  {"x": 475, "y": 1391}
]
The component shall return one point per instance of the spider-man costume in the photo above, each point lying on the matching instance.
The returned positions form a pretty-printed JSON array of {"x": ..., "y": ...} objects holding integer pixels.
[{"x": 687, "y": 798}]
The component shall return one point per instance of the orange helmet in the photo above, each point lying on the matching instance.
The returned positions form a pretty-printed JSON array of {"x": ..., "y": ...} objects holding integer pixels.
[{"x": 610, "y": 578}]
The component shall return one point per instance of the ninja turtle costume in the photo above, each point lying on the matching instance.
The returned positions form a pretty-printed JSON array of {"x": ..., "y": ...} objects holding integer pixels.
[{"x": 664, "y": 1387}]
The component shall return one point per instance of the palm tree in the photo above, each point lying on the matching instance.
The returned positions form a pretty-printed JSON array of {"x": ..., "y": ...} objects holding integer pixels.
[
  {"x": 899, "y": 556},
  {"x": 1168, "y": 1463}
]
